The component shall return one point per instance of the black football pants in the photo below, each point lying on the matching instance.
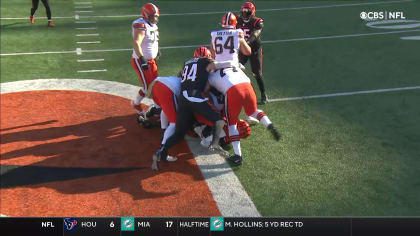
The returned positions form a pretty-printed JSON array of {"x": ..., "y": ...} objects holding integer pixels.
[
  {"x": 46, "y": 5},
  {"x": 185, "y": 120}
]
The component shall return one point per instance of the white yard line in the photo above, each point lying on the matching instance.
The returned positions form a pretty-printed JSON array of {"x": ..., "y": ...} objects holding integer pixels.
[
  {"x": 85, "y": 22},
  {"x": 197, "y": 45},
  {"x": 83, "y": 11},
  {"x": 82, "y": 7},
  {"x": 86, "y": 35},
  {"x": 343, "y": 94},
  {"x": 234, "y": 10},
  {"x": 90, "y": 42},
  {"x": 87, "y": 28},
  {"x": 81, "y": 3},
  {"x": 91, "y": 71},
  {"x": 78, "y": 51},
  {"x": 90, "y": 60}
]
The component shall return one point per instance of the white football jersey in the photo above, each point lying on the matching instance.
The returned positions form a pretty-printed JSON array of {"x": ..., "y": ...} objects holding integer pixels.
[
  {"x": 223, "y": 80},
  {"x": 172, "y": 82},
  {"x": 150, "y": 44},
  {"x": 226, "y": 45}
]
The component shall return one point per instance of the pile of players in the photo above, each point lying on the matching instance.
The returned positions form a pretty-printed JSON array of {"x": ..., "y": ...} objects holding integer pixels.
[{"x": 210, "y": 91}]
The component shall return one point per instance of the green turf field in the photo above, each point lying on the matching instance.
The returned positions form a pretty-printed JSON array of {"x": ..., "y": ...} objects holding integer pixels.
[{"x": 340, "y": 156}]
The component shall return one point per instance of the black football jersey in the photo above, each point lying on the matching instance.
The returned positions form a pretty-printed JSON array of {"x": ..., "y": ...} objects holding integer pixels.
[
  {"x": 255, "y": 23},
  {"x": 194, "y": 77}
]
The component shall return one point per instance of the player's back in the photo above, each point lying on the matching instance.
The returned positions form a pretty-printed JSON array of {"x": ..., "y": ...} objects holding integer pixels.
[
  {"x": 224, "y": 79},
  {"x": 172, "y": 82},
  {"x": 226, "y": 44},
  {"x": 194, "y": 77}
]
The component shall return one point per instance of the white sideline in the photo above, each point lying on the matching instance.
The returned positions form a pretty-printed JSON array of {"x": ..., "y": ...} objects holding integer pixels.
[
  {"x": 197, "y": 45},
  {"x": 221, "y": 12},
  {"x": 230, "y": 196}
]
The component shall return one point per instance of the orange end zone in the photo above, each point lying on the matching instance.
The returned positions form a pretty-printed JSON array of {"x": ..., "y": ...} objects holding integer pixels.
[{"x": 72, "y": 153}]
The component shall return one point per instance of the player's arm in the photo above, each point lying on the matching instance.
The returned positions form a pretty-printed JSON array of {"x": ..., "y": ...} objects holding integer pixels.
[
  {"x": 256, "y": 32},
  {"x": 139, "y": 35},
  {"x": 213, "y": 53},
  {"x": 243, "y": 45}
]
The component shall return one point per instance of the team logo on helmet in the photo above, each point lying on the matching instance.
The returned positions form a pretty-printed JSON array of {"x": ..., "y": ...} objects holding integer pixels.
[
  {"x": 247, "y": 10},
  {"x": 149, "y": 11},
  {"x": 202, "y": 52},
  {"x": 243, "y": 128},
  {"x": 229, "y": 20}
]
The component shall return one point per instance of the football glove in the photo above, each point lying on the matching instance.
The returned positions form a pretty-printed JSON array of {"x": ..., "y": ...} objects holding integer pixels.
[{"x": 144, "y": 64}]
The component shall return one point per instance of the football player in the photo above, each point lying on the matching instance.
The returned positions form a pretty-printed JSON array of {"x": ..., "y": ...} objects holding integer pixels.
[
  {"x": 252, "y": 27},
  {"x": 228, "y": 42},
  {"x": 145, "y": 50},
  {"x": 238, "y": 91},
  {"x": 194, "y": 84},
  {"x": 165, "y": 92}
]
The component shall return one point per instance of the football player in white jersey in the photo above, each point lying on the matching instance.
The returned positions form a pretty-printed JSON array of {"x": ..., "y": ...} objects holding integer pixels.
[
  {"x": 145, "y": 50},
  {"x": 226, "y": 43},
  {"x": 238, "y": 91}
]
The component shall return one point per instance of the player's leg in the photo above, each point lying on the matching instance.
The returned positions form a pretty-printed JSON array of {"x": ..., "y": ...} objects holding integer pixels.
[
  {"x": 33, "y": 10},
  {"x": 251, "y": 110},
  {"x": 233, "y": 107},
  {"x": 136, "y": 103},
  {"x": 183, "y": 123},
  {"x": 164, "y": 97},
  {"x": 48, "y": 10},
  {"x": 256, "y": 60}
]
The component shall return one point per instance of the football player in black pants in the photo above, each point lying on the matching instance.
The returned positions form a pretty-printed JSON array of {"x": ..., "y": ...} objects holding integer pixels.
[
  {"x": 252, "y": 27},
  {"x": 35, "y": 4},
  {"x": 194, "y": 84}
]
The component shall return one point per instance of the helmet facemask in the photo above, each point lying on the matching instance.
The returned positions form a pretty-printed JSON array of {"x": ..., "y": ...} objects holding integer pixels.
[{"x": 246, "y": 14}]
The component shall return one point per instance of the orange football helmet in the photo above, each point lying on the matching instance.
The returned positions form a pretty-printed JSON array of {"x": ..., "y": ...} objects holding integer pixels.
[
  {"x": 229, "y": 20},
  {"x": 243, "y": 128},
  {"x": 149, "y": 11},
  {"x": 202, "y": 51}
]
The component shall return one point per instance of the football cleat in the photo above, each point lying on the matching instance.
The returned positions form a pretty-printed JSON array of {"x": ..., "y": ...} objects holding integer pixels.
[
  {"x": 50, "y": 24},
  {"x": 235, "y": 160},
  {"x": 171, "y": 158},
  {"x": 31, "y": 19},
  {"x": 274, "y": 131}
]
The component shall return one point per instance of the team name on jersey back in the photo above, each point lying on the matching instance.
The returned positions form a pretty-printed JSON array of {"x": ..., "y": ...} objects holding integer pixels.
[
  {"x": 150, "y": 43},
  {"x": 226, "y": 44}
]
